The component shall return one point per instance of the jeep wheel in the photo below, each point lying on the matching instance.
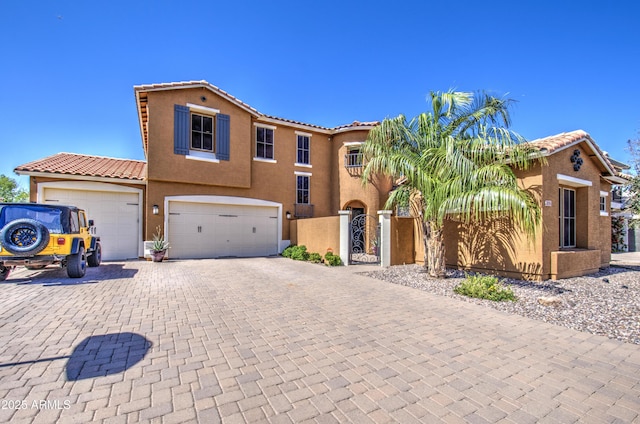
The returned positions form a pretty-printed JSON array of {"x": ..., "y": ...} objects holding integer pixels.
[
  {"x": 95, "y": 258},
  {"x": 4, "y": 272},
  {"x": 77, "y": 264},
  {"x": 24, "y": 237}
]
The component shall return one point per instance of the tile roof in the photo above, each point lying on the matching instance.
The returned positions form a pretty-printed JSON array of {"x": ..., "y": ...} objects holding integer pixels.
[
  {"x": 550, "y": 145},
  {"x": 141, "y": 101},
  {"x": 357, "y": 125},
  {"x": 291, "y": 121},
  {"x": 191, "y": 84},
  {"x": 558, "y": 141},
  {"x": 87, "y": 166}
]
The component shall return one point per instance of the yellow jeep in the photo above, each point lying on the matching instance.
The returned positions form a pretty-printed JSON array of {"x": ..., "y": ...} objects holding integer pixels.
[{"x": 36, "y": 235}]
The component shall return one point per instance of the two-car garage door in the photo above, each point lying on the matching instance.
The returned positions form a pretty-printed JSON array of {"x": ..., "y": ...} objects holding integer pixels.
[{"x": 214, "y": 230}]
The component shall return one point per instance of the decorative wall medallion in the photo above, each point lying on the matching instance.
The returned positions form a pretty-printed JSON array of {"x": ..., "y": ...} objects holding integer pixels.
[{"x": 576, "y": 160}]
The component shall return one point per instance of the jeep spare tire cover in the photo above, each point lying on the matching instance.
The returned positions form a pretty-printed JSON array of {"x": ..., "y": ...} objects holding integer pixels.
[{"x": 24, "y": 237}]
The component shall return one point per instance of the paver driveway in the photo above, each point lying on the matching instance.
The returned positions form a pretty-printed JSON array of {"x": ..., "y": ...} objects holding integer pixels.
[{"x": 251, "y": 340}]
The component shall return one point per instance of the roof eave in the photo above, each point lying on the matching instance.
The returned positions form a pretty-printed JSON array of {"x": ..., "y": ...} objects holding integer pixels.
[
  {"x": 299, "y": 125},
  {"x": 197, "y": 84},
  {"x": 357, "y": 128},
  {"x": 592, "y": 145},
  {"x": 79, "y": 177},
  {"x": 616, "y": 179}
]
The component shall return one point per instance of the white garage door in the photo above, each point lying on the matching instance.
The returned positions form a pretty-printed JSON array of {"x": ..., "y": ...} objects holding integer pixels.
[
  {"x": 115, "y": 215},
  {"x": 205, "y": 230}
]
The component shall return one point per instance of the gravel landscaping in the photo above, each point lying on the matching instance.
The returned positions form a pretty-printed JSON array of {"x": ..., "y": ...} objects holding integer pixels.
[{"x": 606, "y": 303}]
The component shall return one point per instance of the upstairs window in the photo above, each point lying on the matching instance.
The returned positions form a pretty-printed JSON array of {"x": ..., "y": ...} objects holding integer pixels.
[
  {"x": 302, "y": 189},
  {"x": 264, "y": 143},
  {"x": 197, "y": 133},
  {"x": 303, "y": 149},
  {"x": 353, "y": 158},
  {"x": 202, "y": 133}
]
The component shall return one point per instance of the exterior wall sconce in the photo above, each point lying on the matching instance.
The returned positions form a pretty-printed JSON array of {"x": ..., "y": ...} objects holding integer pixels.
[
  {"x": 156, "y": 209},
  {"x": 288, "y": 214}
]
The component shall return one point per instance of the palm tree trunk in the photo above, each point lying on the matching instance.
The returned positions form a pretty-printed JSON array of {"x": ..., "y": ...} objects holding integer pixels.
[{"x": 434, "y": 254}]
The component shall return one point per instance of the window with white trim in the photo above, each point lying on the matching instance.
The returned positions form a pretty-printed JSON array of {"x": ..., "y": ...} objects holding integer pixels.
[
  {"x": 303, "y": 149},
  {"x": 567, "y": 219},
  {"x": 604, "y": 195},
  {"x": 202, "y": 133},
  {"x": 264, "y": 143},
  {"x": 302, "y": 189}
]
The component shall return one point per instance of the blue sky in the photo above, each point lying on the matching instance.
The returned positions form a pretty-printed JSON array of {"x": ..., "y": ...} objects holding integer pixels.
[{"x": 68, "y": 67}]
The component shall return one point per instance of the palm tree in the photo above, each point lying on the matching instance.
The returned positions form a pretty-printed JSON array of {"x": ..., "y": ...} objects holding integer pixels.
[{"x": 457, "y": 159}]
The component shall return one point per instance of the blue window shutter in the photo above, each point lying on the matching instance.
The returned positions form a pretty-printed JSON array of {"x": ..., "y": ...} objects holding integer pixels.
[
  {"x": 181, "y": 130},
  {"x": 223, "y": 136}
]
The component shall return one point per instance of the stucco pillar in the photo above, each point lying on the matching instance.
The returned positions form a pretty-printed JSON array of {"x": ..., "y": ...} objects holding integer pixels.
[
  {"x": 385, "y": 237},
  {"x": 345, "y": 217}
]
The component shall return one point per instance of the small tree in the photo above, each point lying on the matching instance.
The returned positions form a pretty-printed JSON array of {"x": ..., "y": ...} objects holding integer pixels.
[
  {"x": 10, "y": 191},
  {"x": 458, "y": 158}
]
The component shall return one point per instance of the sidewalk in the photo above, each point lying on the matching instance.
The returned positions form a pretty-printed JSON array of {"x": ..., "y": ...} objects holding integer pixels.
[{"x": 626, "y": 258}]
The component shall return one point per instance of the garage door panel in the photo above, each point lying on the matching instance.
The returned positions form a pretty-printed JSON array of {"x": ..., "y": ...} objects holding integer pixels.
[
  {"x": 190, "y": 233},
  {"x": 116, "y": 217}
]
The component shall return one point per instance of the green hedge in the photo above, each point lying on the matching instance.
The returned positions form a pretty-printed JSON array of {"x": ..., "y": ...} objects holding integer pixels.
[{"x": 299, "y": 253}]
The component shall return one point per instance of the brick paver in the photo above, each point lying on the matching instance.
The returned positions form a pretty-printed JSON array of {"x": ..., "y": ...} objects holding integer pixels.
[{"x": 274, "y": 340}]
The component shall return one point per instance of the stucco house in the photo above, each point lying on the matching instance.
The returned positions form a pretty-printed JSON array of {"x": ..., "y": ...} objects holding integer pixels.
[
  {"x": 223, "y": 179},
  {"x": 573, "y": 188}
]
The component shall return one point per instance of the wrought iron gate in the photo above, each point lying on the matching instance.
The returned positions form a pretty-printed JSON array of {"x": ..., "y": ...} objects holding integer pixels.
[{"x": 364, "y": 240}]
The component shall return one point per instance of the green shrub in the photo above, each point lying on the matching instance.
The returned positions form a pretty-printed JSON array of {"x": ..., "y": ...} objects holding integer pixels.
[
  {"x": 287, "y": 252},
  {"x": 332, "y": 260},
  {"x": 484, "y": 287},
  {"x": 299, "y": 253},
  {"x": 315, "y": 258}
]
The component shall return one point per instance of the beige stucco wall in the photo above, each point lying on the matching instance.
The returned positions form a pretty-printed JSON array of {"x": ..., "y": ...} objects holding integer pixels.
[
  {"x": 241, "y": 176},
  {"x": 497, "y": 246},
  {"x": 573, "y": 263},
  {"x": 319, "y": 234},
  {"x": 593, "y": 232}
]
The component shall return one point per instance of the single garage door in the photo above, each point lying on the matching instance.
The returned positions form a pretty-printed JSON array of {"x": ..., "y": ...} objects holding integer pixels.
[
  {"x": 205, "y": 230},
  {"x": 115, "y": 215}
]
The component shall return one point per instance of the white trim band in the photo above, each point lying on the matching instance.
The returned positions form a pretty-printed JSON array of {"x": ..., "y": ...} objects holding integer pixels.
[
  {"x": 270, "y": 127},
  {"x": 205, "y": 109},
  {"x": 573, "y": 181}
]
